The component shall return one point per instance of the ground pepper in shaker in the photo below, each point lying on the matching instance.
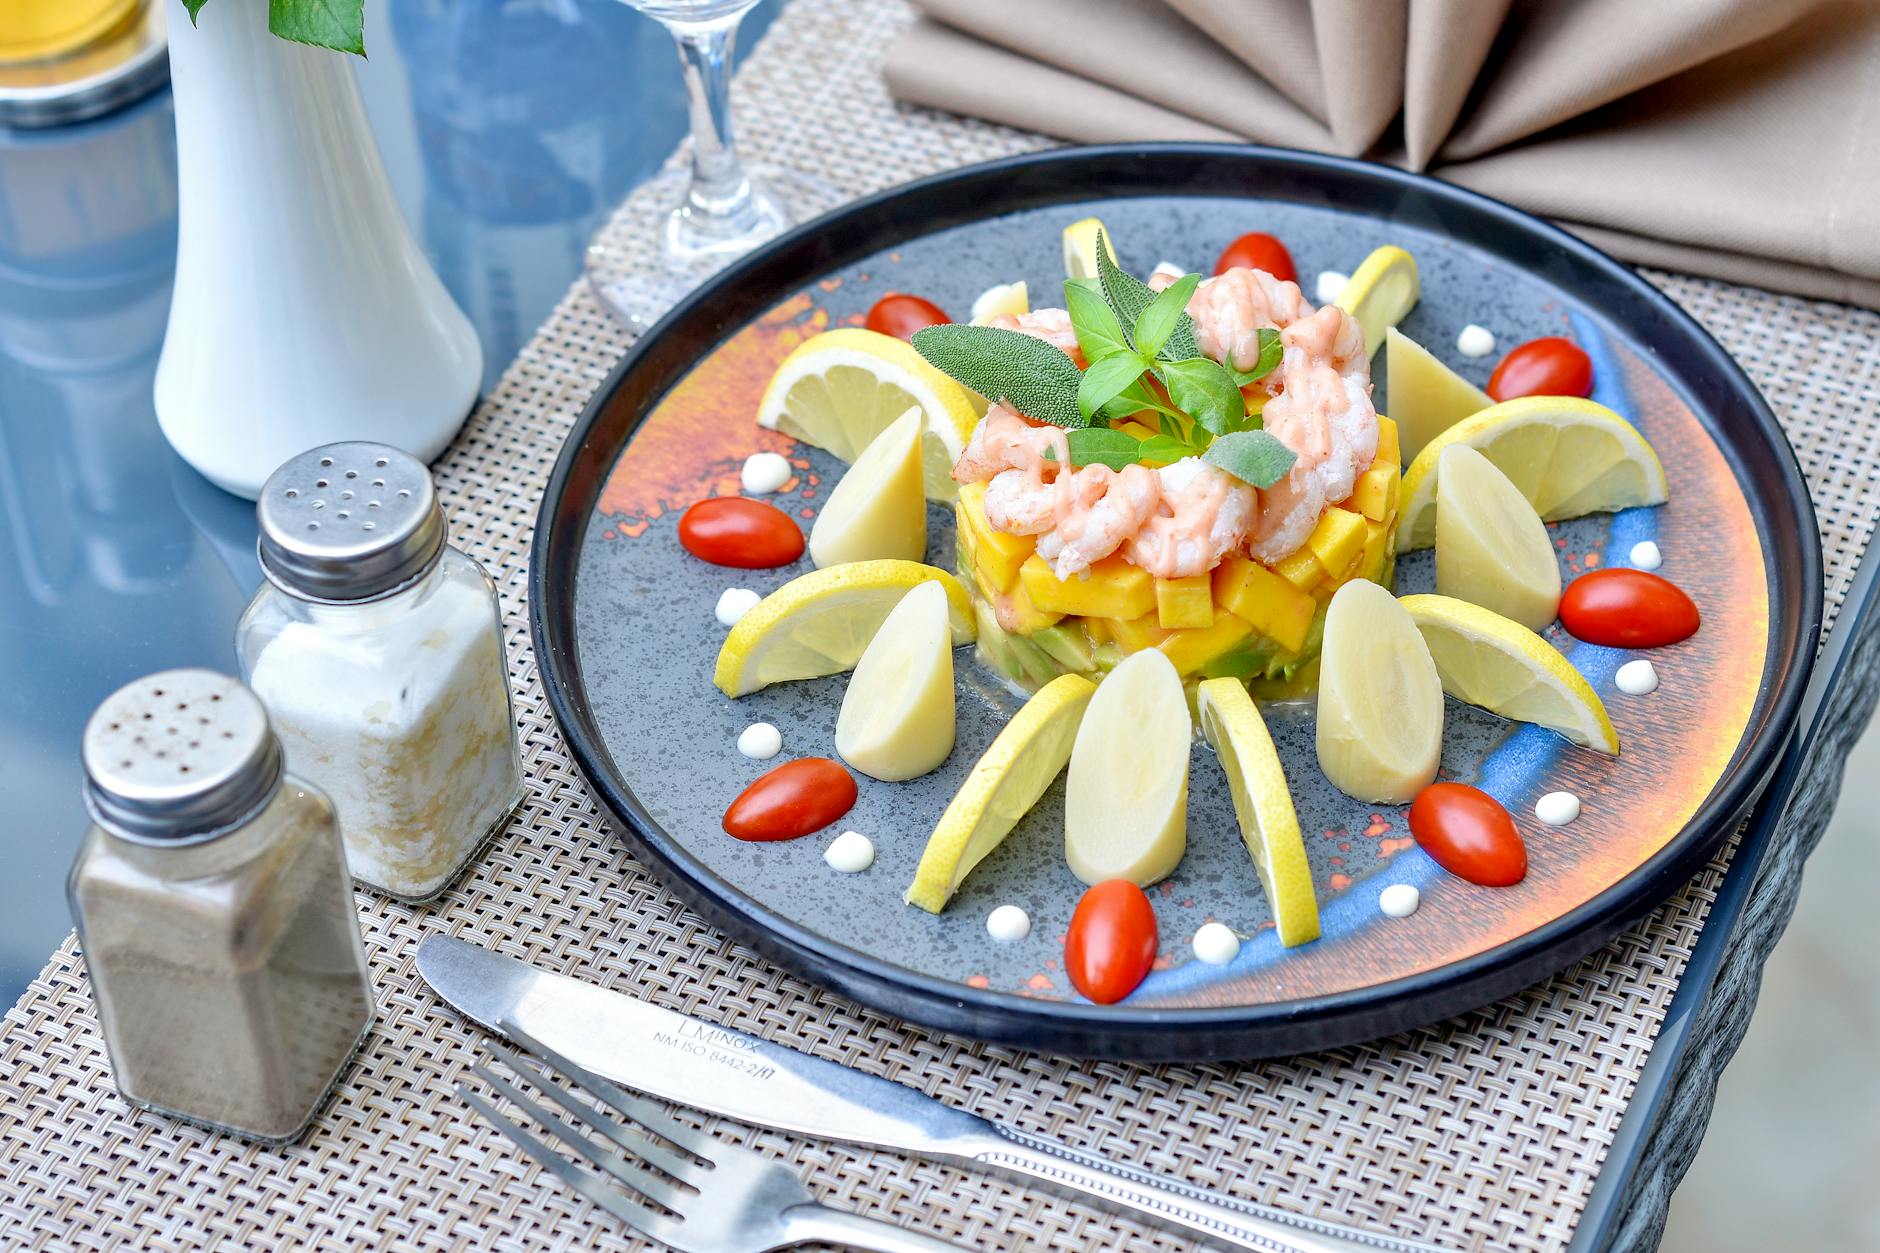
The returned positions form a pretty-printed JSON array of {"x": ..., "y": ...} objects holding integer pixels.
[
  {"x": 377, "y": 648},
  {"x": 214, "y": 911}
]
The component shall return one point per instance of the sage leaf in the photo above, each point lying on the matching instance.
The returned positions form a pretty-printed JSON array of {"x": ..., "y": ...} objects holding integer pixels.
[
  {"x": 1205, "y": 391},
  {"x": 1270, "y": 353},
  {"x": 1098, "y": 332},
  {"x": 1099, "y": 445},
  {"x": 336, "y": 24},
  {"x": 1128, "y": 296},
  {"x": 1156, "y": 323},
  {"x": 1106, "y": 379},
  {"x": 1252, "y": 456},
  {"x": 1035, "y": 378}
]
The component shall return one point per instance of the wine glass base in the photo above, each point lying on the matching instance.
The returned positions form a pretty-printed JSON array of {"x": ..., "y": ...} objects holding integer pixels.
[{"x": 654, "y": 253}]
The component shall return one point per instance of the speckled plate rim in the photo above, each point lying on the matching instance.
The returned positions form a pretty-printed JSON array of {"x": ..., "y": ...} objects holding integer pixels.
[{"x": 1685, "y": 353}]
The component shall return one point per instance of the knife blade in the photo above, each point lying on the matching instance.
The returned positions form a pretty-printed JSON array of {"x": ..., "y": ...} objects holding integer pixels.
[{"x": 721, "y": 1071}]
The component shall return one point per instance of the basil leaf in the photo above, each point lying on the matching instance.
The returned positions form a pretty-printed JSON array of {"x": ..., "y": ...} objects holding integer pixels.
[
  {"x": 1163, "y": 448},
  {"x": 1131, "y": 401},
  {"x": 1128, "y": 296},
  {"x": 1252, "y": 456},
  {"x": 1156, "y": 323},
  {"x": 1099, "y": 445},
  {"x": 1035, "y": 378},
  {"x": 1204, "y": 391},
  {"x": 336, "y": 24},
  {"x": 1270, "y": 353},
  {"x": 1098, "y": 332},
  {"x": 1107, "y": 379}
]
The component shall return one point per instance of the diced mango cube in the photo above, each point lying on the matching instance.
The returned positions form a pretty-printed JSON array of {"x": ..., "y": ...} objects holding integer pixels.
[
  {"x": 1137, "y": 429},
  {"x": 1191, "y": 650},
  {"x": 1301, "y": 569},
  {"x": 1137, "y": 634},
  {"x": 1281, "y": 611},
  {"x": 995, "y": 554},
  {"x": 1016, "y": 613},
  {"x": 1182, "y": 604},
  {"x": 1337, "y": 540},
  {"x": 1387, "y": 447},
  {"x": 1098, "y": 629},
  {"x": 1371, "y": 564},
  {"x": 1376, "y": 491},
  {"x": 1113, "y": 588}
]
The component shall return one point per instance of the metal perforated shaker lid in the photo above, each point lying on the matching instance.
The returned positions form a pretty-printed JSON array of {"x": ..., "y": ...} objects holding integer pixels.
[
  {"x": 179, "y": 755},
  {"x": 349, "y": 522}
]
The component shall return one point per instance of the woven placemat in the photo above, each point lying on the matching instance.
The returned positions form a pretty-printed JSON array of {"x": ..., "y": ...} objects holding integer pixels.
[{"x": 1484, "y": 1132}]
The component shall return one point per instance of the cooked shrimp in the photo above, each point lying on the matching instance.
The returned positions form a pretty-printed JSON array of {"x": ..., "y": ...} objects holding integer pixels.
[
  {"x": 1205, "y": 514},
  {"x": 1053, "y": 326},
  {"x": 1003, "y": 440},
  {"x": 1230, "y": 310},
  {"x": 1097, "y": 509},
  {"x": 1020, "y": 502}
]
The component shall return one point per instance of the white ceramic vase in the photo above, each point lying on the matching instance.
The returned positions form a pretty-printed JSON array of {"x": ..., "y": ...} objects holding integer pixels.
[{"x": 304, "y": 313}]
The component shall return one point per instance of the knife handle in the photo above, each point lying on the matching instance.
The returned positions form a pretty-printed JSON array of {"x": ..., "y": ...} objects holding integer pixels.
[{"x": 1209, "y": 1214}]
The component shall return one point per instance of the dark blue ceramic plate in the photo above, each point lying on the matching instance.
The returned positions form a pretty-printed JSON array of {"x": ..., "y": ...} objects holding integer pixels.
[{"x": 627, "y": 639}]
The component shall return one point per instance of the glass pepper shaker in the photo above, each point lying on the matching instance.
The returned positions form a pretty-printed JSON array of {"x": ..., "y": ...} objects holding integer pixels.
[
  {"x": 378, "y": 650},
  {"x": 214, "y": 911}
]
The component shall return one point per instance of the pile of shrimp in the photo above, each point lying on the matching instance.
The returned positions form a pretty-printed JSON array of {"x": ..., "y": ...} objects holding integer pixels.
[{"x": 1183, "y": 519}]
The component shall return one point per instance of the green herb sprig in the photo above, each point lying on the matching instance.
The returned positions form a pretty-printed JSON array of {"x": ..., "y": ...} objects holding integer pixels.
[
  {"x": 336, "y": 24},
  {"x": 1131, "y": 336}
]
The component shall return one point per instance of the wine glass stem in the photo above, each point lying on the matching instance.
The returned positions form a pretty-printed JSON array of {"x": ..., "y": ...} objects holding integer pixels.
[{"x": 719, "y": 189}]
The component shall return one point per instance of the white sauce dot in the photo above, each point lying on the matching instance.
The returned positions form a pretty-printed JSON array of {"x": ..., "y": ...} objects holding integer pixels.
[
  {"x": 734, "y": 603},
  {"x": 1557, "y": 809},
  {"x": 851, "y": 853},
  {"x": 760, "y": 741},
  {"x": 765, "y": 472},
  {"x": 1635, "y": 678},
  {"x": 1330, "y": 285},
  {"x": 1216, "y": 944},
  {"x": 1008, "y": 924},
  {"x": 1475, "y": 341},
  {"x": 1399, "y": 900},
  {"x": 1646, "y": 556}
]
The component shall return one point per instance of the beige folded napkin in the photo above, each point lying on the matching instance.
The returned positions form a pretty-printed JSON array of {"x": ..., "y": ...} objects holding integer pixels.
[{"x": 1737, "y": 138}]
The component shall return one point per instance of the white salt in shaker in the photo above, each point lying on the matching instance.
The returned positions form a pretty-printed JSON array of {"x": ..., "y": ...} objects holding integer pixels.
[{"x": 377, "y": 648}]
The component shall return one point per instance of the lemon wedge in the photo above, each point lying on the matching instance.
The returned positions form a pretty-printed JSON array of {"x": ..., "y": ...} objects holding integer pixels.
[
  {"x": 1080, "y": 247},
  {"x": 1263, "y": 805},
  {"x": 1491, "y": 547},
  {"x": 1380, "y": 292},
  {"x": 1380, "y": 723},
  {"x": 897, "y": 716},
  {"x": 1005, "y": 783},
  {"x": 1012, "y": 298},
  {"x": 1426, "y": 396},
  {"x": 1568, "y": 456},
  {"x": 820, "y": 623},
  {"x": 1126, "y": 798},
  {"x": 1486, "y": 660},
  {"x": 877, "y": 508},
  {"x": 840, "y": 389}
]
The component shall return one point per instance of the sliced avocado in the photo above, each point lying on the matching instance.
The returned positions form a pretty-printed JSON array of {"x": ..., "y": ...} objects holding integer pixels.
[{"x": 1068, "y": 644}]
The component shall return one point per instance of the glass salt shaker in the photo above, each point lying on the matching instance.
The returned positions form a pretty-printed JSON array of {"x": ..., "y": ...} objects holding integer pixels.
[
  {"x": 378, "y": 650},
  {"x": 214, "y": 911}
]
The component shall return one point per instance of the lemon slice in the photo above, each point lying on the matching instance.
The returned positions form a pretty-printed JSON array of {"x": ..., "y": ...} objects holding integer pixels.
[
  {"x": 819, "y": 623},
  {"x": 1426, "y": 396},
  {"x": 1012, "y": 298},
  {"x": 1080, "y": 247},
  {"x": 897, "y": 716},
  {"x": 877, "y": 509},
  {"x": 1380, "y": 293},
  {"x": 1492, "y": 549},
  {"x": 1263, "y": 805},
  {"x": 1568, "y": 456},
  {"x": 1126, "y": 798},
  {"x": 1380, "y": 714},
  {"x": 1005, "y": 783},
  {"x": 1485, "y": 659},
  {"x": 840, "y": 389}
]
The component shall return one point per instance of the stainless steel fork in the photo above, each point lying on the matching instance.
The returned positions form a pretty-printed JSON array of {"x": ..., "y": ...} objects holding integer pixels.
[{"x": 711, "y": 1197}]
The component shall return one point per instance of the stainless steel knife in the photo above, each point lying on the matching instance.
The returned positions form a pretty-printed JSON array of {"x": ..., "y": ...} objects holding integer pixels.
[{"x": 684, "y": 1060}]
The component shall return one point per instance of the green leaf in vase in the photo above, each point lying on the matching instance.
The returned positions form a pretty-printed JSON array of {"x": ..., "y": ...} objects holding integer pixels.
[
  {"x": 1035, "y": 378},
  {"x": 336, "y": 24},
  {"x": 1252, "y": 456}
]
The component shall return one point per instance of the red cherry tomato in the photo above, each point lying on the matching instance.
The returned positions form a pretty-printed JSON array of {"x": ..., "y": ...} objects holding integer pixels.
[
  {"x": 1469, "y": 834},
  {"x": 1258, "y": 251},
  {"x": 795, "y": 799},
  {"x": 1542, "y": 367},
  {"x": 1623, "y": 608},
  {"x": 900, "y": 315},
  {"x": 733, "y": 531},
  {"x": 1111, "y": 943}
]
